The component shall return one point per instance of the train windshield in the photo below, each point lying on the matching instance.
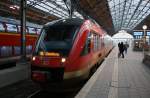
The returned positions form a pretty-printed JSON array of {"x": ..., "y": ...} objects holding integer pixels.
[{"x": 57, "y": 39}]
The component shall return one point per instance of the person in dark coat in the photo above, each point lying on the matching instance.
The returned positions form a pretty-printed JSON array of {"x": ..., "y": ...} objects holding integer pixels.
[
  {"x": 126, "y": 46},
  {"x": 121, "y": 48},
  {"x": 119, "y": 53}
]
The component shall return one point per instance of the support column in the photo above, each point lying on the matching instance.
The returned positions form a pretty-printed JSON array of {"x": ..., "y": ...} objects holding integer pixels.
[{"x": 23, "y": 30}]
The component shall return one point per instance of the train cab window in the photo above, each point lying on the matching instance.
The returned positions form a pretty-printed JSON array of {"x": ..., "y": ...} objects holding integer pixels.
[
  {"x": 62, "y": 33},
  {"x": 58, "y": 38},
  {"x": 2, "y": 27},
  {"x": 11, "y": 28},
  {"x": 31, "y": 30}
]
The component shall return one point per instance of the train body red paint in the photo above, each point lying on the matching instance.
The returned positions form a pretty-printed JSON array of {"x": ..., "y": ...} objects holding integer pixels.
[{"x": 69, "y": 49}]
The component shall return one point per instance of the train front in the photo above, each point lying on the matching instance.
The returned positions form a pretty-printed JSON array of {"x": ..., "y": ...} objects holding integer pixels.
[{"x": 53, "y": 47}]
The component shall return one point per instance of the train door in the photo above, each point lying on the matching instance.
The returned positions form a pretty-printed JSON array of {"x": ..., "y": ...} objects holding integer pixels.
[
  {"x": 88, "y": 45},
  {"x": 96, "y": 42}
]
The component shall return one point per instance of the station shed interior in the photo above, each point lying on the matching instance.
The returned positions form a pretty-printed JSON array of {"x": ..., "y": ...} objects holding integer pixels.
[
  {"x": 131, "y": 15},
  {"x": 29, "y": 16}
]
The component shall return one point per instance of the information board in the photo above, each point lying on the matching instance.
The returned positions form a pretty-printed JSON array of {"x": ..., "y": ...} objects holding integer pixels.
[
  {"x": 137, "y": 33},
  {"x": 148, "y": 33}
]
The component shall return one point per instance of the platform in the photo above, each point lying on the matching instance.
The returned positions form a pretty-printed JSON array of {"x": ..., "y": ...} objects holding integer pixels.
[{"x": 119, "y": 78}]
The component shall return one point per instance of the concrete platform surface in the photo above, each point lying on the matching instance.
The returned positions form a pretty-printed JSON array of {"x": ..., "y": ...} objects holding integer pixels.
[{"x": 119, "y": 78}]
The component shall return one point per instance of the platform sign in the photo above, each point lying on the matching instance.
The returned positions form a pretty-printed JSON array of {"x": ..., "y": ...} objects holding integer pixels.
[
  {"x": 137, "y": 33},
  {"x": 148, "y": 33}
]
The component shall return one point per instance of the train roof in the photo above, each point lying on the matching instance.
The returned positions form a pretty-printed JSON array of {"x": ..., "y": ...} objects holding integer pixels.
[{"x": 68, "y": 21}]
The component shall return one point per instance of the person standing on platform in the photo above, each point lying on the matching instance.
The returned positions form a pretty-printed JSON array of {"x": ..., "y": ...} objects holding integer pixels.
[
  {"x": 126, "y": 46},
  {"x": 122, "y": 49},
  {"x": 119, "y": 53}
]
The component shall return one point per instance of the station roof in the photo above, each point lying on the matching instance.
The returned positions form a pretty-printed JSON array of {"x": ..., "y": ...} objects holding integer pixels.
[
  {"x": 127, "y": 14},
  {"x": 99, "y": 10},
  {"x": 10, "y": 9},
  {"x": 112, "y": 15},
  {"x": 118, "y": 15}
]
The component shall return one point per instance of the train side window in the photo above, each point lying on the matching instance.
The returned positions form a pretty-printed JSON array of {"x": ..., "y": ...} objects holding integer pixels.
[
  {"x": 6, "y": 51},
  {"x": 11, "y": 28},
  {"x": 95, "y": 42},
  {"x": 17, "y": 50},
  {"x": 19, "y": 27},
  {"x": 38, "y": 31},
  {"x": 31, "y": 30},
  {"x": 89, "y": 43},
  {"x": 87, "y": 46},
  {"x": 29, "y": 49},
  {"x": 27, "y": 30},
  {"x": 2, "y": 27},
  {"x": 99, "y": 42}
]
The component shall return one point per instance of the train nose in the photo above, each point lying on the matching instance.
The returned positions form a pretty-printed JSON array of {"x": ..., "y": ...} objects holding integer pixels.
[
  {"x": 52, "y": 62},
  {"x": 47, "y": 74}
]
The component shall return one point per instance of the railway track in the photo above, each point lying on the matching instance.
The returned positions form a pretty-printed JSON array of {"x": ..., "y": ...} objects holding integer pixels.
[
  {"x": 55, "y": 93},
  {"x": 51, "y": 94}
]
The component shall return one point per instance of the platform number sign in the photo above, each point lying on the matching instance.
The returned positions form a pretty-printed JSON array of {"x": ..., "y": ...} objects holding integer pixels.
[{"x": 138, "y": 34}]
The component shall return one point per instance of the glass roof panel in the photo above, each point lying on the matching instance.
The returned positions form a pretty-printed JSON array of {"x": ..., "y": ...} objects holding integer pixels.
[
  {"x": 57, "y": 8},
  {"x": 127, "y": 14}
]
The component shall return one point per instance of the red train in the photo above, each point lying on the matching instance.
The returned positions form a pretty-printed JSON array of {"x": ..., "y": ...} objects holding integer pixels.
[
  {"x": 10, "y": 37},
  {"x": 68, "y": 49}
]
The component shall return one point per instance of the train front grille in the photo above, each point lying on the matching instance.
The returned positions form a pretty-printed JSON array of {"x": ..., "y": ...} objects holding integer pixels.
[{"x": 49, "y": 74}]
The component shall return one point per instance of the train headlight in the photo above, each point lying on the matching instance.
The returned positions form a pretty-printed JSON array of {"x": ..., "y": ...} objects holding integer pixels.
[
  {"x": 33, "y": 58},
  {"x": 63, "y": 60},
  {"x": 41, "y": 53}
]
